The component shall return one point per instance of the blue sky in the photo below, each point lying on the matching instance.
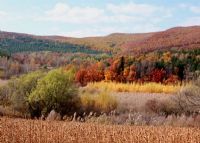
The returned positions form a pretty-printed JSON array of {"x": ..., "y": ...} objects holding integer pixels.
[{"x": 80, "y": 18}]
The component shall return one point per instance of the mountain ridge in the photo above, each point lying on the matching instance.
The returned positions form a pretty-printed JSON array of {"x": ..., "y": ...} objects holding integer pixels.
[
  {"x": 125, "y": 43},
  {"x": 180, "y": 38}
]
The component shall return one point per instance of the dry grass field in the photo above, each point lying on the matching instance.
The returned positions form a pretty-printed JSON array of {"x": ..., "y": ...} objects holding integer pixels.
[
  {"x": 32, "y": 131},
  {"x": 137, "y": 101},
  {"x": 3, "y": 82},
  {"x": 135, "y": 87}
]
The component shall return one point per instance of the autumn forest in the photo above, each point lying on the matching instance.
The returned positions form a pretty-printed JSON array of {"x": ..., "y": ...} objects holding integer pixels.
[{"x": 59, "y": 89}]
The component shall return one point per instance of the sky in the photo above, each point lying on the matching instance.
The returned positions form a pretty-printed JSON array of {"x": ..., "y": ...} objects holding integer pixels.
[{"x": 83, "y": 18}]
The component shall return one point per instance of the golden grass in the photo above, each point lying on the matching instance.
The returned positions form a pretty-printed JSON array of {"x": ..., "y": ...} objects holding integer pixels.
[
  {"x": 102, "y": 101},
  {"x": 33, "y": 131},
  {"x": 135, "y": 87}
]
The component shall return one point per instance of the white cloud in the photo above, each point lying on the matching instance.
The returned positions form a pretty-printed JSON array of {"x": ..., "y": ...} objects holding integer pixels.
[
  {"x": 133, "y": 9},
  {"x": 195, "y": 9},
  {"x": 4, "y": 17},
  {"x": 59, "y": 9},
  {"x": 130, "y": 12},
  {"x": 192, "y": 8},
  {"x": 3, "y": 14},
  {"x": 95, "y": 21},
  {"x": 105, "y": 30},
  {"x": 183, "y": 5},
  {"x": 133, "y": 12},
  {"x": 65, "y": 13},
  {"x": 7, "y": 16}
]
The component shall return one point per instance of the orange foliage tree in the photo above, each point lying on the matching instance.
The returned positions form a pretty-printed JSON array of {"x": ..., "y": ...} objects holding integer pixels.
[
  {"x": 116, "y": 71},
  {"x": 93, "y": 73}
]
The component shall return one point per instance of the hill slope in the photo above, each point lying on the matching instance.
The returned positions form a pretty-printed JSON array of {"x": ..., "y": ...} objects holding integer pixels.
[
  {"x": 111, "y": 43},
  {"x": 15, "y": 42},
  {"x": 176, "y": 38}
]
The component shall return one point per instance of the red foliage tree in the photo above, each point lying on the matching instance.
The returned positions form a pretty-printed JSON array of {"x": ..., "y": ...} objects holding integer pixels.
[
  {"x": 92, "y": 73},
  {"x": 172, "y": 79},
  {"x": 116, "y": 71},
  {"x": 158, "y": 75}
]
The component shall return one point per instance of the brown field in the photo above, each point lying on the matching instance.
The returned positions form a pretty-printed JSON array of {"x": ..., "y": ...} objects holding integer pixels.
[
  {"x": 3, "y": 82},
  {"x": 137, "y": 101},
  {"x": 32, "y": 131}
]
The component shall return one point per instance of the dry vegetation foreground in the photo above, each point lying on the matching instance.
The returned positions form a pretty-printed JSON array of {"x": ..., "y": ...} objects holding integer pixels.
[
  {"x": 32, "y": 131},
  {"x": 137, "y": 101},
  {"x": 3, "y": 82}
]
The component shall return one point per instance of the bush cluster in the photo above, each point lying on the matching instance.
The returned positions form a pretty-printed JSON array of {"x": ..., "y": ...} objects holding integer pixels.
[
  {"x": 188, "y": 99},
  {"x": 38, "y": 93}
]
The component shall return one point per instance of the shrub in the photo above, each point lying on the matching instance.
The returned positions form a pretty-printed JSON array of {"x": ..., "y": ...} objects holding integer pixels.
[
  {"x": 105, "y": 102},
  {"x": 87, "y": 102},
  {"x": 55, "y": 91},
  {"x": 20, "y": 88},
  {"x": 189, "y": 98},
  {"x": 4, "y": 95},
  {"x": 152, "y": 106},
  {"x": 166, "y": 107},
  {"x": 98, "y": 102},
  {"x": 9, "y": 112}
]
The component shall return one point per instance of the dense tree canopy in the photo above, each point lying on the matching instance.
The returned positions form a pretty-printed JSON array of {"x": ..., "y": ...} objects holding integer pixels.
[
  {"x": 38, "y": 93},
  {"x": 162, "y": 66},
  {"x": 4, "y": 53},
  {"x": 25, "y": 43}
]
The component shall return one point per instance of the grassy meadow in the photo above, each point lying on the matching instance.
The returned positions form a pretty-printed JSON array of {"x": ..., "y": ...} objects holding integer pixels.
[{"x": 135, "y": 87}]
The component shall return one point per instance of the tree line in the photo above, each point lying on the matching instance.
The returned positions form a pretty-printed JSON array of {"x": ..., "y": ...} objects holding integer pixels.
[{"x": 163, "y": 67}]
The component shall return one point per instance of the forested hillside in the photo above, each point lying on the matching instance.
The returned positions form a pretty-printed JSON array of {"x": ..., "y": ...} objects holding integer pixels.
[
  {"x": 180, "y": 38},
  {"x": 14, "y": 43},
  {"x": 111, "y": 43},
  {"x": 161, "y": 56},
  {"x": 119, "y": 43},
  {"x": 4, "y": 53}
]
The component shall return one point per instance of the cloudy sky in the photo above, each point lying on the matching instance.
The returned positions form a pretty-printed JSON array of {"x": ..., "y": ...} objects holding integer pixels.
[{"x": 80, "y": 18}]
